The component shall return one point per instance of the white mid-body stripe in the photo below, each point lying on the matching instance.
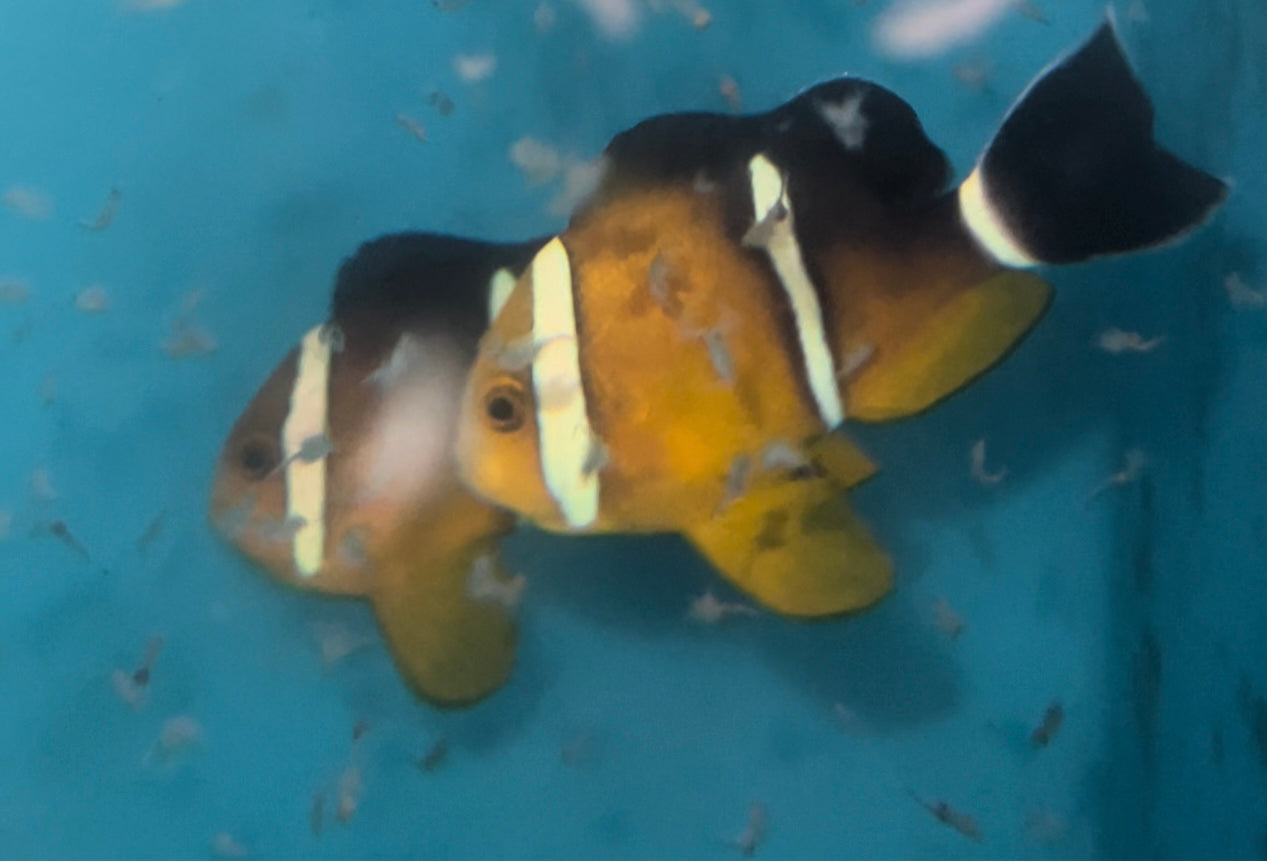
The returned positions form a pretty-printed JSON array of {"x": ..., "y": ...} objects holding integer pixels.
[
  {"x": 306, "y": 480},
  {"x": 768, "y": 191},
  {"x": 987, "y": 225},
  {"x": 566, "y": 438},
  {"x": 499, "y": 288}
]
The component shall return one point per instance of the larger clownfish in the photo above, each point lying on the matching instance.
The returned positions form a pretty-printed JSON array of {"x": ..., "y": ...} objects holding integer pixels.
[
  {"x": 339, "y": 477},
  {"x": 738, "y": 287}
]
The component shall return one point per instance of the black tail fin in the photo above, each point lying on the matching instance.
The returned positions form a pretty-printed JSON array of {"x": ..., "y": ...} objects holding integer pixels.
[{"x": 1074, "y": 171}]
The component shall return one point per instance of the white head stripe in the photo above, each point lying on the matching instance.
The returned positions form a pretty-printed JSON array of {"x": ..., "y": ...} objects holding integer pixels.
[
  {"x": 499, "y": 289},
  {"x": 987, "y": 226},
  {"x": 306, "y": 481},
  {"x": 565, "y": 436},
  {"x": 768, "y": 191}
]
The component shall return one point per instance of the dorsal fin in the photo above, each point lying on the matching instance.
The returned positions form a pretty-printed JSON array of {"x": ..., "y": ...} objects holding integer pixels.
[
  {"x": 885, "y": 154},
  {"x": 398, "y": 280}
]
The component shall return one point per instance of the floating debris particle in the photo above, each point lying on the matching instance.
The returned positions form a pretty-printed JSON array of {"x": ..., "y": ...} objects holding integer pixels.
[
  {"x": 1030, "y": 10},
  {"x": 1053, "y": 718},
  {"x": 14, "y": 291},
  {"x": 60, "y": 531},
  {"x": 710, "y": 610},
  {"x": 435, "y": 757},
  {"x": 152, "y": 531},
  {"x": 473, "y": 68},
  {"x": 920, "y": 29},
  {"x": 188, "y": 339},
  {"x": 736, "y": 480},
  {"x": 1133, "y": 467},
  {"x": 544, "y": 17},
  {"x": 762, "y": 230},
  {"x": 613, "y": 19},
  {"x": 485, "y": 583},
  {"x": 847, "y": 121},
  {"x": 973, "y": 74},
  {"x": 979, "y": 472},
  {"x": 312, "y": 449},
  {"x": 754, "y": 830},
  {"x": 441, "y": 102},
  {"x": 947, "y": 619},
  {"x": 578, "y": 750},
  {"x": 728, "y": 87},
  {"x": 354, "y": 547},
  {"x": 962, "y": 823},
  {"x": 1114, "y": 340},
  {"x": 149, "y": 5},
  {"x": 783, "y": 456},
  {"x": 133, "y": 687},
  {"x": 48, "y": 390},
  {"x": 105, "y": 217},
  {"x": 581, "y": 178},
  {"x": 93, "y": 299},
  {"x": 1239, "y": 294},
  {"x": 719, "y": 355},
  {"x": 699, "y": 17},
  {"x": 226, "y": 846},
  {"x": 661, "y": 292},
  {"x": 359, "y": 729},
  {"x": 413, "y": 127},
  {"x": 597, "y": 457},
  {"x": 337, "y": 641},
  {"x": 29, "y": 202},
  {"x": 854, "y": 360},
  {"x": 518, "y": 353},
  {"x": 1046, "y": 826},
  {"x": 180, "y": 733},
  {"x": 539, "y": 162},
  {"x": 42, "y": 485},
  {"x": 317, "y": 812},
  {"x": 349, "y": 793}
]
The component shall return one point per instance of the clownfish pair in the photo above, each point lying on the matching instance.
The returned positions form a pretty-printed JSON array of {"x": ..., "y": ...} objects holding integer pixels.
[{"x": 682, "y": 356}]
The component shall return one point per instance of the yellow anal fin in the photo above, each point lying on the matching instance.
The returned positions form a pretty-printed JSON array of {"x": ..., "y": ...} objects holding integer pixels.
[
  {"x": 444, "y": 604},
  {"x": 962, "y": 339},
  {"x": 453, "y": 645},
  {"x": 840, "y": 460},
  {"x": 797, "y": 548}
]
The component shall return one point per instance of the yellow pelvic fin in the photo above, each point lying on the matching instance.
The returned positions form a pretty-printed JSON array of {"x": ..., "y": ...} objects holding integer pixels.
[
  {"x": 797, "y": 548},
  {"x": 444, "y": 604},
  {"x": 840, "y": 460},
  {"x": 962, "y": 339}
]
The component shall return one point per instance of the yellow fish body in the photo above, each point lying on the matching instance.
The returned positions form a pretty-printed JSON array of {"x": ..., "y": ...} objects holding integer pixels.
[{"x": 739, "y": 286}]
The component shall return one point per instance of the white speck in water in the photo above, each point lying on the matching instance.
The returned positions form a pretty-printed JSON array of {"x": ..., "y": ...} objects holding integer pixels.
[
  {"x": 93, "y": 299},
  {"x": 473, "y": 68}
]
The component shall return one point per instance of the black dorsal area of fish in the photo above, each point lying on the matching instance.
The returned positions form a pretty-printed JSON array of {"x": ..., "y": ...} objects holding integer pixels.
[
  {"x": 892, "y": 157},
  {"x": 833, "y": 186},
  {"x": 1075, "y": 172},
  {"x": 412, "y": 281}
]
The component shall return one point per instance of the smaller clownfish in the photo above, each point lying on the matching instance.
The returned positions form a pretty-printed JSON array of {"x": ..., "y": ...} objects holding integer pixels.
[{"x": 338, "y": 477}]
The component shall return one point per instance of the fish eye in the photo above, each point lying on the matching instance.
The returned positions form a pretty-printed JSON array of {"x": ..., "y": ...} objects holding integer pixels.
[
  {"x": 258, "y": 456},
  {"x": 505, "y": 408}
]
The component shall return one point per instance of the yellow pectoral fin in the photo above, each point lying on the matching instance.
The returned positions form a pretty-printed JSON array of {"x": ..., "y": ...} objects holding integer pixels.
[
  {"x": 964, "y": 338},
  {"x": 448, "y": 622},
  {"x": 797, "y": 548}
]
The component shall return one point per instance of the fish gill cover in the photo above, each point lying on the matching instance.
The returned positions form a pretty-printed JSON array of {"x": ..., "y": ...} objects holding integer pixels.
[{"x": 1070, "y": 663}]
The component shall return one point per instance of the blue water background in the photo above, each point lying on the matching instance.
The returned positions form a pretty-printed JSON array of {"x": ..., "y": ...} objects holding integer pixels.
[{"x": 255, "y": 144}]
